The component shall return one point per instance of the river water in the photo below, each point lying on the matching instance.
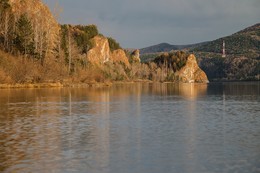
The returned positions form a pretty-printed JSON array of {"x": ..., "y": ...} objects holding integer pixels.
[{"x": 132, "y": 128}]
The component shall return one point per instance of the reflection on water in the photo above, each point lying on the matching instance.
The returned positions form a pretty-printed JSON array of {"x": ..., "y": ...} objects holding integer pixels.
[{"x": 131, "y": 128}]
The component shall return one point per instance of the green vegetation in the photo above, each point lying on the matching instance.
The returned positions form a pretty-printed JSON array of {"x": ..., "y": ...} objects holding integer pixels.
[
  {"x": 31, "y": 53},
  {"x": 242, "y": 61},
  {"x": 36, "y": 49},
  {"x": 235, "y": 45},
  {"x": 172, "y": 60},
  {"x": 244, "y": 43},
  {"x": 229, "y": 68},
  {"x": 83, "y": 35},
  {"x": 24, "y": 36},
  {"x": 148, "y": 57},
  {"x": 113, "y": 44}
]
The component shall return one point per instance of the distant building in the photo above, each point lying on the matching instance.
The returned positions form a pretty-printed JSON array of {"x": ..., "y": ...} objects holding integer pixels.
[{"x": 223, "y": 50}]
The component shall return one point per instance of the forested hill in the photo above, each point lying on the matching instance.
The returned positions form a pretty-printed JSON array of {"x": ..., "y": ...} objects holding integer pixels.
[
  {"x": 166, "y": 47},
  {"x": 242, "y": 61},
  {"x": 243, "y": 43}
]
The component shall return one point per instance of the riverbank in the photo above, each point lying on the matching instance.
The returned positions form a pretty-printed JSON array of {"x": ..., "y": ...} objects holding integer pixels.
[
  {"x": 69, "y": 85},
  {"x": 52, "y": 85}
]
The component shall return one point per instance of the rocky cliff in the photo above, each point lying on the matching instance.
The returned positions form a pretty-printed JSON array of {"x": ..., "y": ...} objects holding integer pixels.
[
  {"x": 191, "y": 73},
  {"x": 120, "y": 56},
  {"x": 101, "y": 53}
]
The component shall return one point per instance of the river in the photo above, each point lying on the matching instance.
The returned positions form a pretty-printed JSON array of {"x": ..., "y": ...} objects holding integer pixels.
[{"x": 132, "y": 128}]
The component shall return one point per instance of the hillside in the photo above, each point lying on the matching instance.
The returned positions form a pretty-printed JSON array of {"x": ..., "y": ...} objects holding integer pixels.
[
  {"x": 166, "y": 47},
  {"x": 243, "y": 56},
  {"x": 28, "y": 27},
  {"x": 243, "y": 43},
  {"x": 36, "y": 49},
  {"x": 241, "y": 63}
]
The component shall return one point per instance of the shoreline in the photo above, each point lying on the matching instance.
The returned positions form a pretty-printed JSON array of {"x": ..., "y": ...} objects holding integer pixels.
[
  {"x": 67, "y": 85},
  {"x": 95, "y": 84}
]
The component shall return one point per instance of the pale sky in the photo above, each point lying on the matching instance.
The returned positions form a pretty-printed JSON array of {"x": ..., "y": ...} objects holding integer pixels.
[{"x": 142, "y": 23}]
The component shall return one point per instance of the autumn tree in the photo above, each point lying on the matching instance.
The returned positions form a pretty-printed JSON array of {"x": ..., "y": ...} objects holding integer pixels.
[{"x": 5, "y": 23}]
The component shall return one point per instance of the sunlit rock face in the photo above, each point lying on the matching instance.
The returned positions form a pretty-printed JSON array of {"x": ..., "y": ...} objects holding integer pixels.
[
  {"x": 100, "y": 52},
  {"x": 119, "y": 56},
  {"x": 191, "y": 73}
]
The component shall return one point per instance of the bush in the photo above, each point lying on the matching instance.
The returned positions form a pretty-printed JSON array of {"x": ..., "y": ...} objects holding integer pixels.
[
  {"x": 113, "y": 44},
  {"x": 5, "y": 78}
]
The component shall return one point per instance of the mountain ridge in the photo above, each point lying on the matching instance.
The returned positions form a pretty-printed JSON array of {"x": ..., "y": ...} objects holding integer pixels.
[
  {"x": 242, "y": 42},
  {"x": 166, "y": 47},
  {"x": 245, "y": 42}
]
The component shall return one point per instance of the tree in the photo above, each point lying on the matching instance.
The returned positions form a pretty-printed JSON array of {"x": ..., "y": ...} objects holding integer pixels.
[
  {"x": 5, "y": 20},
  {"x": 24, "y": 35}
]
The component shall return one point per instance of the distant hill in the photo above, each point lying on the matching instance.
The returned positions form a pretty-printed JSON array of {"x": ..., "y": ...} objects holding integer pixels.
[
  {"x": 243, "y": 56},
  {"x": 241, "y": 63},
  {"x": 166, "y": 47},
  {"x": 243, "y": 43}
]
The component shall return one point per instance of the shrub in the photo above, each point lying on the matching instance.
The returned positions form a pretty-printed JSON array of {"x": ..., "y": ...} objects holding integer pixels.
[{"x": 113, "y": 44}]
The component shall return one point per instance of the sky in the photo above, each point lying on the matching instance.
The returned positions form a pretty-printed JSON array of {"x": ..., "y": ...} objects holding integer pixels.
[{"x": 142, "y": 23}]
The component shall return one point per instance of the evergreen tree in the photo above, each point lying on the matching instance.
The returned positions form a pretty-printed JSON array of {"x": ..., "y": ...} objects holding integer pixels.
[{"x": 24, "y": 35}]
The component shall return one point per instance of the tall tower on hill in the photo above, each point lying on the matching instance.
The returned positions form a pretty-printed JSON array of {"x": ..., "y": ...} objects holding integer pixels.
[{"x": 224, "y": 50}]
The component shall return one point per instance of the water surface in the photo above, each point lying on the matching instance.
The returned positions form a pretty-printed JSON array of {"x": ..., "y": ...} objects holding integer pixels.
[{"x": 134, "y": 128}]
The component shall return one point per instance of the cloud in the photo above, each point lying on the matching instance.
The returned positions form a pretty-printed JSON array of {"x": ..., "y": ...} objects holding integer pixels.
[{"x": 140, "y": 23}]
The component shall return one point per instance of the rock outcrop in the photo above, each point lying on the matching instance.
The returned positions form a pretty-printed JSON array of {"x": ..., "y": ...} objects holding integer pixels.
[
  {"x": 100, "y": 53},
  {"x": 120, "y": 56},
  {"x": 135, "y": 56},
  {"x": 191, "y": 73}
]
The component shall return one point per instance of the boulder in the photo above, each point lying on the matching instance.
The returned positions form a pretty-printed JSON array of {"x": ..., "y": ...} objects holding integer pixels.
[{"x": 191, "y": 73}]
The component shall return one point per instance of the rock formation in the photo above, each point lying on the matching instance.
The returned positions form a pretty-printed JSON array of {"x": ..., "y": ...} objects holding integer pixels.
[
  {"x": 135, "y": 56},
  {"x": 120, "y": 56},
  {"x": 191, "y": 73},
  {"x": 100, "y": 53}
]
